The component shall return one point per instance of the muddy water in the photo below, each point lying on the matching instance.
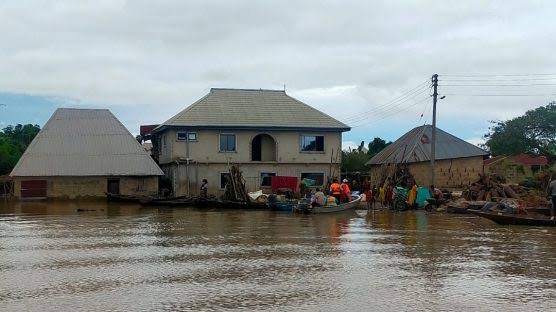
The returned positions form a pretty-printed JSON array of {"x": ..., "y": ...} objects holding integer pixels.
[{"x": 122, "y": 257}]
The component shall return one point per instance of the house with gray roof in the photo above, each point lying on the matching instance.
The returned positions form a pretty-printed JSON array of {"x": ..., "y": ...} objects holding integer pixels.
[
  {"x": 267, "y": 132},
  {"x": 457, "y": 162},
  {"x": 84, "y": 153}
]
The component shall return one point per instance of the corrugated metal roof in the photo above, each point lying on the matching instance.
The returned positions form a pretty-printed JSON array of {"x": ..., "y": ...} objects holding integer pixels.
[
  {"x": 415, "y": 146},
  {"x": 85, "y": 142},
  {"x": 252, "y": 108}
]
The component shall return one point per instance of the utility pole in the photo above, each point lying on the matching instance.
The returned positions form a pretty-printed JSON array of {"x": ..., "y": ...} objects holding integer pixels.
[{"x": 433, "y": 139}]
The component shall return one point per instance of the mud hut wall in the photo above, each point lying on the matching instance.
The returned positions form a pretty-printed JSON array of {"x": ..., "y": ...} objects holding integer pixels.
[{"x": 449, "y": 173}]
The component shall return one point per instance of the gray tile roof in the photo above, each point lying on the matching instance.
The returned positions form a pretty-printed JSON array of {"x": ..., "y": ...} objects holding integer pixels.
[
  {"x": 85, "y": 142},
  {"x": 415, "y": 146},
  {"x": 252, "y": 108}
]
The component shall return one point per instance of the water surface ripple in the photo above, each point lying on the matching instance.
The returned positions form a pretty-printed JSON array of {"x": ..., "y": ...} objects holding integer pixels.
[{"x": 121, "y": 257}]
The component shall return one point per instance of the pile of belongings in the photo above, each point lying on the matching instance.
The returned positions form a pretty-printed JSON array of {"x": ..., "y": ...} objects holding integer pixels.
[{"x": 506, "y": 205}]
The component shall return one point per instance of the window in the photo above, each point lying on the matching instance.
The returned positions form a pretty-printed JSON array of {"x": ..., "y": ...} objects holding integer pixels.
[
  {"x": 192, "y": 136},
  {"x": 227, "y": 142},
  {"x": 318, "y": 177},
  {"x": 312, "y": 143},
  {"x": 224, "y": 176},
  {"x": 164, "y": 140},
  {"x": 266, "y": 177}
]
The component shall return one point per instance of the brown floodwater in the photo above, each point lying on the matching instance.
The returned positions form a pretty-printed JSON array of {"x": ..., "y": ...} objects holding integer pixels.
[{"x": 121, "y": 257}]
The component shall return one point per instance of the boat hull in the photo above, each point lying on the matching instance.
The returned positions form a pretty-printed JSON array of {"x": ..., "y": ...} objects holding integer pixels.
[
  {"x": 508, "y": 219},
  {"x": 341, "y": 207}
]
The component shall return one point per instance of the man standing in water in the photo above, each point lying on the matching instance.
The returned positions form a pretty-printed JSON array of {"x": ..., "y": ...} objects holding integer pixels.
[
  {"x": 551, "y": 190},
  {"x": 204, "y": 188}
]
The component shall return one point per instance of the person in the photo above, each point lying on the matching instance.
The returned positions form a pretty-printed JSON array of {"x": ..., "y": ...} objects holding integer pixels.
[
  {"x": 345, "y": 196},
  {"x": 319, "y": 198},
  {"x": 335, "y": 189},
  {"x": 375, "y": 195},
  {"x": 389, "y": 196},
  {"x": 551, "y": 190},
  {"x": 303, "y": 189},
  {"x": 412, "y": 196},
  {"x": 436, "y": 196},
  {"x": 369, "y": 198},
  {"x": 331, "y": 201},
  {"x": 381, "y": 196},
  {"x": 204, "y": 188}
]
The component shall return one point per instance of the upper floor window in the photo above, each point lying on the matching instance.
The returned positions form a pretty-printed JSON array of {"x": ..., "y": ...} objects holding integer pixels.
[
  {"x": 312, "y": 143},
  {"x": 184, "y": 136},
  {"x": 227, "y": 142}
]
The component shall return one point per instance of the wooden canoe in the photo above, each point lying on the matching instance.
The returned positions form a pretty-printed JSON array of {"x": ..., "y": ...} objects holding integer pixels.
[
  {"x": 513, "y": 219},
  {"x": 354, "y": 203}
]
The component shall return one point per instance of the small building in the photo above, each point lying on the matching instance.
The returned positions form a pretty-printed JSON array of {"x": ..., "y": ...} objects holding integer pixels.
[
  {"x": 516, "y": 168},
  {"x": 457, "y": 162},
  {"x": 84, "y": 153},
  {"x": 266, "y": 132}
]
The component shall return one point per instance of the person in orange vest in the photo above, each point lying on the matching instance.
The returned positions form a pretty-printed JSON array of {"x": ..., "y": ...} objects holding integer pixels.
[
  {"x": 335, "y": 190},
  {"x": 345, "y": 192}
]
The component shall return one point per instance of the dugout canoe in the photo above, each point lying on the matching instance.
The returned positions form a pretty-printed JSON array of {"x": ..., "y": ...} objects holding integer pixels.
[{"x": 513, "y": 219}]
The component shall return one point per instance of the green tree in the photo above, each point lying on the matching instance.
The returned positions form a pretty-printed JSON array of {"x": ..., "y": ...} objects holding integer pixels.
[
  {"x": 354, "y": 160},
  {"x": 377, "y": 145},
  {"x": 533, "y": 133},
  {"x": 13, "y": 142}
]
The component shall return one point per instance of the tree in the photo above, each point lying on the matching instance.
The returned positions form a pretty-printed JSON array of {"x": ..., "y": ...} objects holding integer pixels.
[
  {"x": 13, "y": 142},
  {"x": 355, "y": 160},
  {"x": 533, "y": 133},
  {"x": 377, "y": 145}
]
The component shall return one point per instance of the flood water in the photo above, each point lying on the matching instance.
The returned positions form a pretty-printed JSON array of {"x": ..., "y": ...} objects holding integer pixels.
[{"x": 122, "y": 257}]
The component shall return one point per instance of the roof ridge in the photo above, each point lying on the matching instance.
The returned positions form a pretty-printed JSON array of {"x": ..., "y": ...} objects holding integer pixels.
[{"x": 246, "y": 89}]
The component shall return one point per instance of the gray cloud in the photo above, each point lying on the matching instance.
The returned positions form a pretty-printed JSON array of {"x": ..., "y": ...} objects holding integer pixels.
[{"x": 342, "y": 57}]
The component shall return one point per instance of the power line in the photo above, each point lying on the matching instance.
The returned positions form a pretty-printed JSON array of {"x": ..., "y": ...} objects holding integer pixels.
[
  {"x": 403, "y": 97},
  {"x": 385, "y": 113},
  {"x": 498, "y": 79},
  {"x": 497, "y": 85},
  {"x": 389, "y": 114},
  {"x": 497, "y": 75},
  {"x": 385, "y": 108},
  {"x": 456, "y": 94}
]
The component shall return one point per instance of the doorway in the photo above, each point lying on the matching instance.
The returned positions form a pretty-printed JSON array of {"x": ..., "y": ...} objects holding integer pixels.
[
  {"x": 263, "y": 148},
  {"x": 113, "y": 186}
]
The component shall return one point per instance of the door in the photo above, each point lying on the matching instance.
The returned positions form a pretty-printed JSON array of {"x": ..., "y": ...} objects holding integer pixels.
[
  {"x": 33, "y": 189},
  {"x": 113, "y": 186}
]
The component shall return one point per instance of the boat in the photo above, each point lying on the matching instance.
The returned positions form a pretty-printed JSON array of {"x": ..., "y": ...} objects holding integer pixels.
[
  {"x": 514, "y": 219},
  {"x": 354, "y": 203},
  {"x": 456, "y": 209},
  {"x": 287, "y": 205},
  {"x": 126, "y": 198}
]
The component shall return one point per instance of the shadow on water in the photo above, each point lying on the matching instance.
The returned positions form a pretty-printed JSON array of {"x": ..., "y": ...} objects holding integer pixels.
[{"x": 101, "y": 256}]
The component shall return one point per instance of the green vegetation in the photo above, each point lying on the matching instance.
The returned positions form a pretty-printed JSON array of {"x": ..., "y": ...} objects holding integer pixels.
[
  {"x": 13, "y": 142},
  {"x": 355, "y": 160},
  {"x": 533, "y": 133}
]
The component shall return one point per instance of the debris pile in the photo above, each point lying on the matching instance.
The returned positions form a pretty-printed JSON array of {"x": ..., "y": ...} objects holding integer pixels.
[
  {"x": 235, "y": 186},
  {"x": 493, "y": 187}
]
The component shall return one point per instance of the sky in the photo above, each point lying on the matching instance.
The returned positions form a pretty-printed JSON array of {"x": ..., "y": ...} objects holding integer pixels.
[{"x": 366, "y": 63}]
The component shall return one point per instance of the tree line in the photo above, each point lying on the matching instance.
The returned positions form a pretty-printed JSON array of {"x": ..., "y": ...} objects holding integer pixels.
[{"x": 13, "y": 142}]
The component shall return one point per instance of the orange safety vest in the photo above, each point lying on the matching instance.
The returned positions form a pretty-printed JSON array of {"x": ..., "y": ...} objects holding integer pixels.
[
  {"x": 345, "y": 189},
  {"x": 335, "y": 188}
]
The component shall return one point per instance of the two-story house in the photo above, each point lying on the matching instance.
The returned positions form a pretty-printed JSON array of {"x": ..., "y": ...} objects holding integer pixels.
[{"x": 267, "y": 132}]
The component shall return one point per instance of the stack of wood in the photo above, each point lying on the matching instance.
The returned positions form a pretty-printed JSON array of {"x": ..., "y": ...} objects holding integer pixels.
[
  {"x": 235, "y": 186},
  {"x": 396, "y": 175},
  {"x": 491, "y": 186}
]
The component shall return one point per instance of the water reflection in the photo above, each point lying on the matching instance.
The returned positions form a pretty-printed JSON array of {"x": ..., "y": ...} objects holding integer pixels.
[{"x": 122, "y": 256}]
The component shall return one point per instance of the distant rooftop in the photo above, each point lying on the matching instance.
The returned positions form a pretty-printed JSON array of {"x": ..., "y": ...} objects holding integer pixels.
[
  {"x": 415, "y": 146},
  {"x": 252, "y": 108},
  {"x": 85, "y": 142}
]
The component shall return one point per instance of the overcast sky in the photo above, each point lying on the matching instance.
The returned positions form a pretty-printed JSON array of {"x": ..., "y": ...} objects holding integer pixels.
[{"x": 146, "y": 60}]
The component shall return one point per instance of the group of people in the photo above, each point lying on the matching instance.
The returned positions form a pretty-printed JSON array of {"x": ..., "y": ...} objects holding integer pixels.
[
  {"x": 336, "y": 193},
  {"x": 383, "y": 195}
]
